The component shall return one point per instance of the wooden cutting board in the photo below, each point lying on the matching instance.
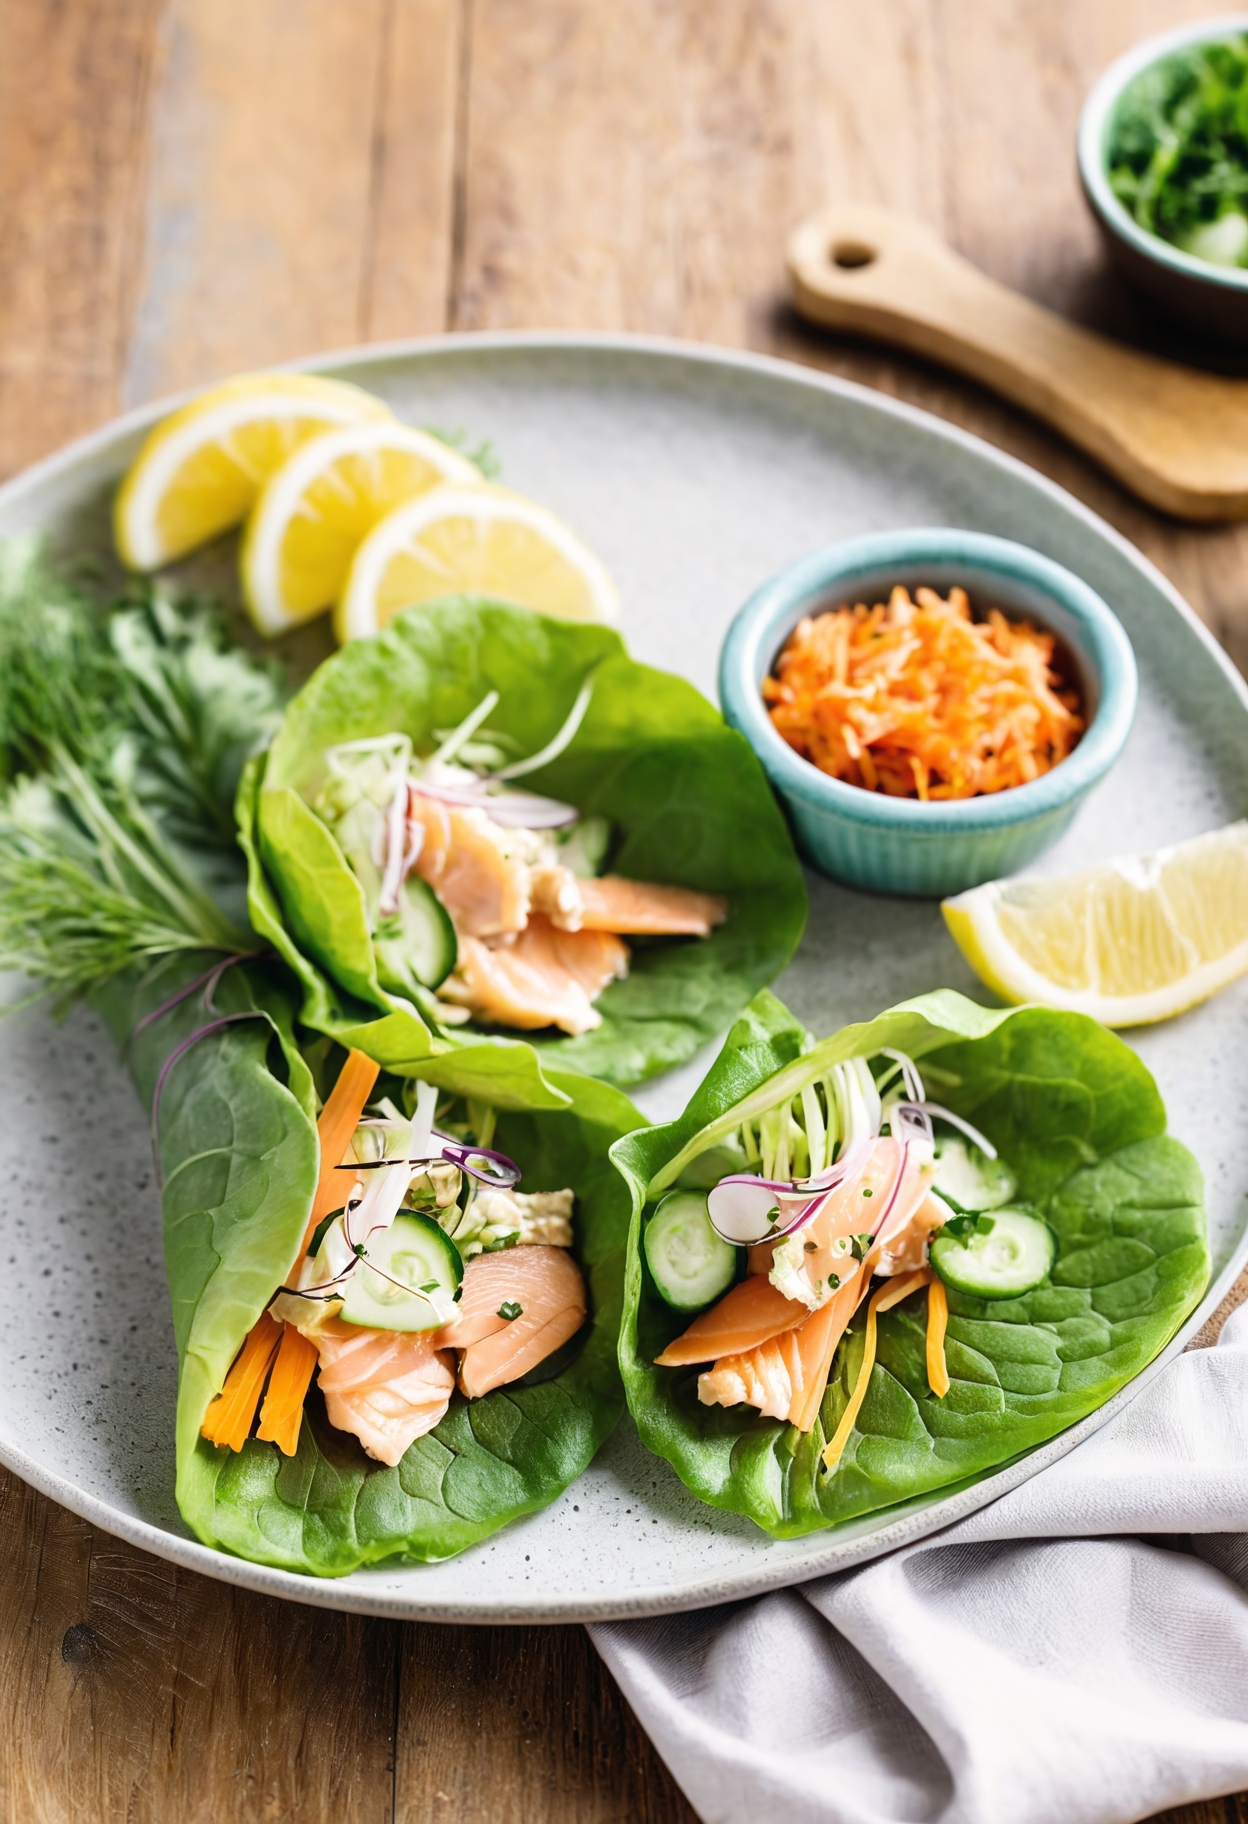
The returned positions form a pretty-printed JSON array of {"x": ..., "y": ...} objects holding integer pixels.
[{"x": 1175, "y": 435}]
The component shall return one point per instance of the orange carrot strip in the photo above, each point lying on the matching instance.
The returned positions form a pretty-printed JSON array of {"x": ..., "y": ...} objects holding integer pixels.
[
  {"x": 282, "y": 1413},
  {"x": 228, "y": 1419},
  {"x": 337, "y": 1122},
  {"x": 888, "y": 1295},
  {"x": 937, "y": 1319}
]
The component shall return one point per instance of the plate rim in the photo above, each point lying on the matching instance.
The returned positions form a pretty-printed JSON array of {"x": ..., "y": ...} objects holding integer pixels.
[{"x": 828, "y": 1555}]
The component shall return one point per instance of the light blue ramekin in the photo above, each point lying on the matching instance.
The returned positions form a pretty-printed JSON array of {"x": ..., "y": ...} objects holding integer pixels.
[{"x": 901, "y": 845}]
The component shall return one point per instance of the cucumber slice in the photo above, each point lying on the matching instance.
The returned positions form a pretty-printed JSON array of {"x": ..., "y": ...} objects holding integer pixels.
[
  {"x": 969, "y": 1179},
  {"x": 417, "y": 940},
  {"x": 689, "y": 1263},
  {"x": 997, "y": 1256},
  {"x": 415, "y": 1251},
  {"x": 583, "y": 849}
]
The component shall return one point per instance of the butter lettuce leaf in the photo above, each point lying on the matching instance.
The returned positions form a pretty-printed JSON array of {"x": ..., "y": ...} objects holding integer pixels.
[
  {"x": 685, "y": 797},
  {"x": 1079, "y": 1119},
  {"x": 237, "y": 1147}
]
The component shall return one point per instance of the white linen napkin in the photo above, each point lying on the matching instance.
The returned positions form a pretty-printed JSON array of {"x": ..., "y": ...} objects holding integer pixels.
[{"x": 1037, "y": 1663}]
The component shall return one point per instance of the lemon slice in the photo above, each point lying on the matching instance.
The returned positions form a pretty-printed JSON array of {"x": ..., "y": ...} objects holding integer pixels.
[
  {"x": 1130, "y": 942},
  {"x": 313, "y": 512},
  {"x": 473, "y": 541},
  {"x": 200, "y": 469}
]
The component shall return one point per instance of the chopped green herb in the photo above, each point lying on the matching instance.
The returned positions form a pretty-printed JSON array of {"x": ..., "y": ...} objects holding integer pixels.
[
  {"x": 963, "y": 1227},
  {"x": 1177, "y": 155},
  {"x": 358, "y": 1249},
  {"x": 867, "y": 1191},
  {"x": 511, "y": 1310},
  {"x": 429, "y": 1285}
]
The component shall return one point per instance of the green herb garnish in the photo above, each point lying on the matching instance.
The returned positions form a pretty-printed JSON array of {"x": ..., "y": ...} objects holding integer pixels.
[
  {"x": 1177, "y": 154},
  {"x": 511, "y": 1310}
]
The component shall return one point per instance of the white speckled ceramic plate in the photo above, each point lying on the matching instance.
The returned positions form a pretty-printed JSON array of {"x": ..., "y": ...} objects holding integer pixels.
[{"x": 695, "y": 473}]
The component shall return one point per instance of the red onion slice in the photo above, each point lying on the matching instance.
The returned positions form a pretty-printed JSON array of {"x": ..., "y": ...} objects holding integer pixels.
[
  {"x": 972, "y": 1133},
  {"x": 514, "y": 810},
  {"x": 740, "y": 1207},
  {"x": 504, "y": 1173}
]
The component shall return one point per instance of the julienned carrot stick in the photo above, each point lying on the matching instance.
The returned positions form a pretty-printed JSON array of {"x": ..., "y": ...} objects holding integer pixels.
[
  {"x": 937, "y": 1319},
  {"x": 228, "y": 1419},
  {"x": 282, "y": 1412},
  {"x": 337, "y": 1122},
  {"x": 883, "y": 1300}
]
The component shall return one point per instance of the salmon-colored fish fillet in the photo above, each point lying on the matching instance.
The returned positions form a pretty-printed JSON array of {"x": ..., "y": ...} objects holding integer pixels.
[
  {"x": 817, "y": 1339},
  {"x": 464, "y": 858},
  {"x": 642, "y": 908},
  {"x": 901, "y": 1242},
  {"x": 387, "y": 1387},
  {"x": 769, "y": 1377},
  {"x": 785, "y": 1376},
  {"x": 546, "y": 1283},
  {"x": 751, "y": 1313},
  {"x": 545, "y": 978}
]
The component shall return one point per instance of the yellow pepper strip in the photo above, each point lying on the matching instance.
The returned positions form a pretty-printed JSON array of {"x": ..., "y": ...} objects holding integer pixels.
[
  {"x": 888, "y": 1295},
  {"x": 937, "y": 1319},
  {"x": 228, "y": 1419}
]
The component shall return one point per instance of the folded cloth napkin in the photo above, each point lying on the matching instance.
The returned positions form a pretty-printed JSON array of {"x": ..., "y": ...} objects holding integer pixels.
[{"x": 1033, "y": 1664}]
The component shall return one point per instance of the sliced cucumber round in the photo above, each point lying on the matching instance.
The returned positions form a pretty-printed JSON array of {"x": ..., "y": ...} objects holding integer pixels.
[
  {"x": 418, "y": 1254},
  {"x": 418, "y": 940},
  {"x": 997, "y": 1256},
  {"x": 969, "y": 1179},
  {"x": 689, "y": 1263}
]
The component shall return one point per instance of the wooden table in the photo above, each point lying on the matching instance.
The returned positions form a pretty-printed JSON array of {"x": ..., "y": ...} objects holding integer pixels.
[{"x": 190, "y": 187}]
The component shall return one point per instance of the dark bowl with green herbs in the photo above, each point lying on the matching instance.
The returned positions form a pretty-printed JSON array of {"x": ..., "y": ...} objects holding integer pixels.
[{"x": 1163, "y": 156}]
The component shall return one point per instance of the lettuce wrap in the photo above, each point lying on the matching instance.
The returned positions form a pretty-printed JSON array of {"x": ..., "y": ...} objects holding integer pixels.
[
  {"x": 125, "y": 726},
  {"x": 1078, "y": 1121},
  {"x": 683, "y": 797},
  {"x": 234, "y": 1125}
]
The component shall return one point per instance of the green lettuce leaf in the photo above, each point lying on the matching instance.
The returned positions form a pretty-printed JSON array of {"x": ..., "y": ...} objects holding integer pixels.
[
  {"x": 1077, "y": 1116},
  {"x": 237, "y": 1148},
  {"x": 685, "y": 796}
]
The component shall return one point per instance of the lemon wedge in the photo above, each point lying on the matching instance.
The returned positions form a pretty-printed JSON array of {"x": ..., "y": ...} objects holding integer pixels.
[
  {"x": 1131, "y": 942},
  {"x": 200, "y": 469},
  {"x": 313, "y": 512},
  {"x": 473, "y": 541}
]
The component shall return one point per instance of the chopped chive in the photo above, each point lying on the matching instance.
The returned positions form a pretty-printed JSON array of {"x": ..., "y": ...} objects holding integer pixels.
[{"x": 511, "y": 1310}]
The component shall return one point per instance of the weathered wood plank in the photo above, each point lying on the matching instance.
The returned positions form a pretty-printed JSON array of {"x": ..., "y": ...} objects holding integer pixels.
[
  {"x": 131, "y": 1690},
  {"x": 260, "y": 199},
  {"x": 517, "y": 1726},
  {"x": 74, "y": 83},
  {"x": 408, "y": 255}
]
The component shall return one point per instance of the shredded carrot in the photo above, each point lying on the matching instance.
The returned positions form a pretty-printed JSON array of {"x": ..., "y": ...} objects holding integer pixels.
[
  {"x": 937, "y": 1319},
  {"x": 228, "y": 1419},
  {"x": 889, "y": 1294},
  {"x": 337, "y": 1122},
  {"x": 282, "y": 1413},
  {"x": 917, "y": 700}
]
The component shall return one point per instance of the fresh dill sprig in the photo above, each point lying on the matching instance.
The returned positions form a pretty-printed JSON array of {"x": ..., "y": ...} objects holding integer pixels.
[{"x": 123, "y": 730}]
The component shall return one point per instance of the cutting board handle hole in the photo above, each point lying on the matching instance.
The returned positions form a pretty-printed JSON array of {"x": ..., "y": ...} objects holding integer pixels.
[{"x": 852, "y": 254}]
